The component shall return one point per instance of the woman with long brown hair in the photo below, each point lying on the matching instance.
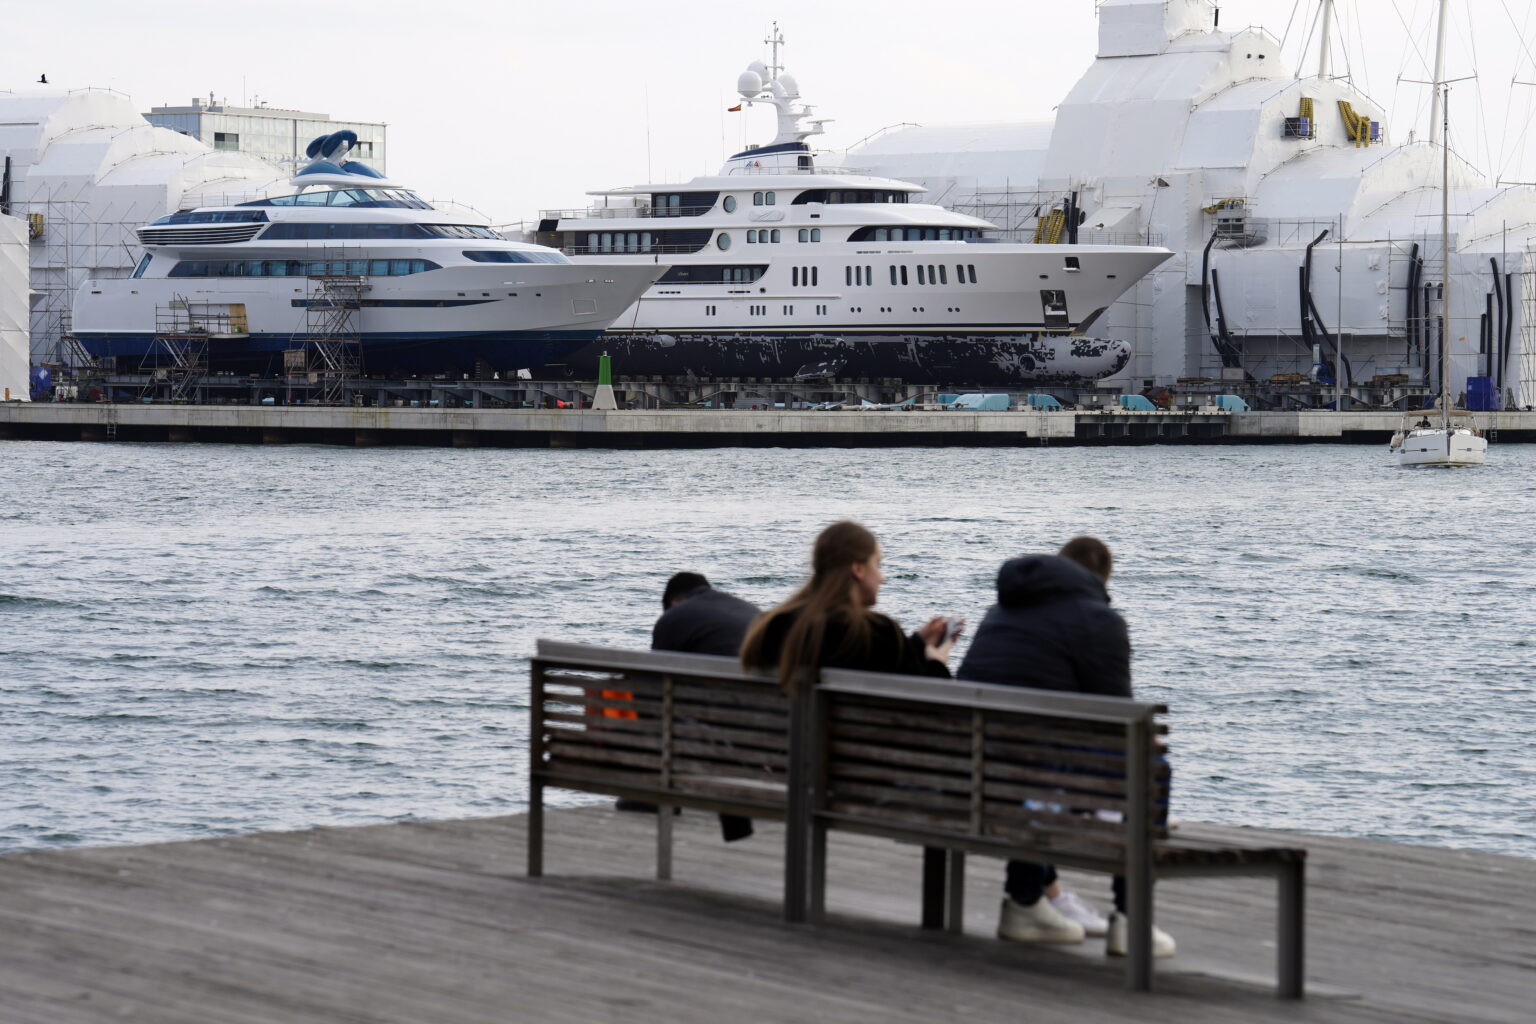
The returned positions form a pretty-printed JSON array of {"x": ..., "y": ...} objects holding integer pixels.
[{"x": 831, "y": 622}]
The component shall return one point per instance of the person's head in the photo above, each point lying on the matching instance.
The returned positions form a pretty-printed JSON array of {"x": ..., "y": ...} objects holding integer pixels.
[
  {"x": 1090, "y": 553},
  {"x": 844, "y": 584},
  {"x": 680, "y": 586}
]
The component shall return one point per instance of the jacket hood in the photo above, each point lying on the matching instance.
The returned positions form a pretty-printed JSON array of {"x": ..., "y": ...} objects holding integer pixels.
[{"x": 1037, "y": 579}]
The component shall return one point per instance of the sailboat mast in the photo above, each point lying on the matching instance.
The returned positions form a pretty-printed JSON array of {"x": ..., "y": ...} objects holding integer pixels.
[
  {"x": 1436, "y": 110},
  {"x": 1445, "y": 249}
]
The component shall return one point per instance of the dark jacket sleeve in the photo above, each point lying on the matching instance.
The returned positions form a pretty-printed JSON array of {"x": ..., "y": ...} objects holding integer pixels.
[
  {"x": 915, "y": 660},
  {"x": 1104, "y": 662}
]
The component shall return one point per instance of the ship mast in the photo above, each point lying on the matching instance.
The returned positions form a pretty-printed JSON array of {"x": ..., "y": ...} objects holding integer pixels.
[
  {"x": 1325, "y": 55},
  {"x": 775, "y": 40}
]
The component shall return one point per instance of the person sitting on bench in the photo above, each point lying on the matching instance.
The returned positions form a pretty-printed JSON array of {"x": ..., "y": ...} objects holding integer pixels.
[
  {"x": 830, "y": 622},
  {"x": 1052, "y": 629},
  {"x": 698, "y": 619}
]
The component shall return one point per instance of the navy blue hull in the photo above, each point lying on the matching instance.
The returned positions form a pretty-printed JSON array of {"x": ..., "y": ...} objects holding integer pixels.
[{"x": 384, "y": 355}]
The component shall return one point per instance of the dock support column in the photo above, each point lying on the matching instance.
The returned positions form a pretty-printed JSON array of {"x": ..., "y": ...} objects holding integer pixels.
[{"x": 1292, "y": 937}]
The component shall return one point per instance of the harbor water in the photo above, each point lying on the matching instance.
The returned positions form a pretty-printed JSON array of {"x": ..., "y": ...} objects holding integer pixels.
[{"x": 206, "y": 640}]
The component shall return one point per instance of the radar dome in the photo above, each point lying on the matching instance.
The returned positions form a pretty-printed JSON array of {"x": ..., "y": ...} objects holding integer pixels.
[
  {"x": 758, "y": 68},
  {"x": 791, "y": 87},
  {"x": 777, "y": 88},
  {"x": 750, "y": 83}
]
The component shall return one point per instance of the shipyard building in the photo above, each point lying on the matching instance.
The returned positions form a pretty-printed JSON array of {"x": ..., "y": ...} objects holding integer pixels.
[{"x": 268, "y": 133}]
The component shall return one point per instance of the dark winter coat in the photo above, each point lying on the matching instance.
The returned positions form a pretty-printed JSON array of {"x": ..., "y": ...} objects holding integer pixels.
[
  {"x": 705, "y": 621},
  {"x": 1052, "y": 628},
  {"x": 888, "y": 649}
]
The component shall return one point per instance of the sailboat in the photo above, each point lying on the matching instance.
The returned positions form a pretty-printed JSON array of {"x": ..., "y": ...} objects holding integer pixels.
[{"x": 1443, "y": 436}]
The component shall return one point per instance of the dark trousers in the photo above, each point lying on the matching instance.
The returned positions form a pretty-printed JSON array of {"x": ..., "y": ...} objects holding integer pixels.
[{"x": 1027, "y": 882}]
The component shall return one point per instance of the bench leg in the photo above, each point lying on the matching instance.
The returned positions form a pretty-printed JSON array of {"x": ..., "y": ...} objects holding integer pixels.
[
  {"x": 935, "y": 880},
  {"x": 1291, "y": 978},
  {"x": 535, "y": 831},
  {"x": 955, "y": 900},
  {"x": 818, "y": 879},
  {"x": 664, "y": 843},
  {"x": 1138, "y": 907}
]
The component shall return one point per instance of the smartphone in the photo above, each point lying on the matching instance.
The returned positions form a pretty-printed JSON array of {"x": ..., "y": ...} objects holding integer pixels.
[{"x": 952, "y": 628}]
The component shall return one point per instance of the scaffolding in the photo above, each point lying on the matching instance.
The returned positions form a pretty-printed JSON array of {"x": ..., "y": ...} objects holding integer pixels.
[
  {"x": 176, "y": 360},
  {"x": 332, "y": 340}
]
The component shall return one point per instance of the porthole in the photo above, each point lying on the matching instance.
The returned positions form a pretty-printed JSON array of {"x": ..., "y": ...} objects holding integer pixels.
[
  {"x": 723, "y": 240},
  {"x": 730, "y": 204}
]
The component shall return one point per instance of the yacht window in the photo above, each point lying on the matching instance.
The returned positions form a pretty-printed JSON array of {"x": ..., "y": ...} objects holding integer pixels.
[
  {"x": 729, "y": 204},
  {"x": 757, "y": 199},
  {"x": 903, "y": 274},
  {"x": 858, "y": 275},
  {"x": 592, "y": 241},
  {"x": 869, "y": 275},
  {"x": 920, "y": 274},
  {"x": 893, "y": 273},
  {"x": 960, "y": 273},
  {"x": 794, "y": 277},
  {"x": 751, "y": 237},
  {"x": 775, "y": 230},
  {"x": 972, "y": 268},
  {"x": 848, "y": 276},
  {"x": 881, "y": 234},
  {"x": 814, "y": 275},
  {"x": 299, "y": 268},
  {"x": 815, "y": 234},
  {"x": 943, "y": 274},
  {"x": 514, "y": 256},
  {"x": 138, "y": 271},
  {"x": 723, "y": 241},
  {"x": 805, "y": 235},
  {"x": 769, "y": 199},
  {"x": 633, "y": 241},
  {"x": 214, "y": 217}
]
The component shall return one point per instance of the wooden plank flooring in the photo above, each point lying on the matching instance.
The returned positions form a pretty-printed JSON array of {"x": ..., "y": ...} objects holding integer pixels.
[{"x": 433, "y": 923}]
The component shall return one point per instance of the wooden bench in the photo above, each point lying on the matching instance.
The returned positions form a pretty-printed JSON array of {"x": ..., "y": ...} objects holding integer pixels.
[
  {"x": 955, "y": 767},
  {"x": 676, "y": 730}
]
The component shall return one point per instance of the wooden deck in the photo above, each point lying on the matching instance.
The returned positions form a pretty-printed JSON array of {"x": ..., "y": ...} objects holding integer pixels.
[{"x": 433, "y": 923}]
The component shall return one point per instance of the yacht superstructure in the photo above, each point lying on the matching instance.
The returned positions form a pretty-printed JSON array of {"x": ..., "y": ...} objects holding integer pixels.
[
  {"x": 783, "y": 268},
  {"x": 437, "y": 294}
]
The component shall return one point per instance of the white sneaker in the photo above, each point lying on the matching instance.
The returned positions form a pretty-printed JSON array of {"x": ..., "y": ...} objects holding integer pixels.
[
  {"x": 1038, "y": 922},
  {"x": 1073, "y": 908},
  {"x": 1118, "y": 942}
]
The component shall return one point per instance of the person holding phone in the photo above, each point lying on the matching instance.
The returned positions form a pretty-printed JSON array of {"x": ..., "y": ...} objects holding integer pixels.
[{"x": 830, "y": 622}]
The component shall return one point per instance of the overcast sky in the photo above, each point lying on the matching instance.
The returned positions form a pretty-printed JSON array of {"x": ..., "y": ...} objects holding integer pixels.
[{"x": 519, "y": 105}]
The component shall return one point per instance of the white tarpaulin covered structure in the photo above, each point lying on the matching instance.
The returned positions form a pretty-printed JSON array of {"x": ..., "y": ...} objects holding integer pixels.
[
  {"x": 15, "y": 292},
  {"x": 1304, "y": 234}
]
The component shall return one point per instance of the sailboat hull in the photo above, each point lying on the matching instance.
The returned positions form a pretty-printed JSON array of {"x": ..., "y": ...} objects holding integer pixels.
[{"x": 1441, "y": 448}]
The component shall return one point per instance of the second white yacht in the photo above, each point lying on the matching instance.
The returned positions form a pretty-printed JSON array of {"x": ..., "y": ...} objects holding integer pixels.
[{"x": 784, "y": 269}]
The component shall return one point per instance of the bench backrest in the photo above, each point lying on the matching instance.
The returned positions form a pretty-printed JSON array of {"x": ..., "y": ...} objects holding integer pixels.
[
  {"x": 659, "y": 725},
  {"x": 988, "y": 768}
]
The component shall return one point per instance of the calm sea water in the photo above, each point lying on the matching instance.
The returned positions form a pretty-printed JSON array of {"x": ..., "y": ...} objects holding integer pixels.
[{"x": 204, "y": 640}]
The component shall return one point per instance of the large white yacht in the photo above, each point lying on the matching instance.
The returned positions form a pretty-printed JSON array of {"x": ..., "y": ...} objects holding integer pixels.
[
  {"x": 435, "y": 293},
  {"x": 781, "y": 268}
]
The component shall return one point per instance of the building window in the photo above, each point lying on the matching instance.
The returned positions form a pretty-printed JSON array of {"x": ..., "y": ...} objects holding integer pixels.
[
  {"x": 226, "y": 140},
  {"x": 729, "y": 204},
  {"x": 723, "y": 241}
]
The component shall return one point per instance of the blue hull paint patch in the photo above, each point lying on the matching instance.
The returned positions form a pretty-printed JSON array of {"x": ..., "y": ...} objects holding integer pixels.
[{"x": 383, "y": 354}]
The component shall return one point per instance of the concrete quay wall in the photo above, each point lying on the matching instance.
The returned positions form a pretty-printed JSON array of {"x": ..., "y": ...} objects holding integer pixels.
[{"x": 698, "y": 428}]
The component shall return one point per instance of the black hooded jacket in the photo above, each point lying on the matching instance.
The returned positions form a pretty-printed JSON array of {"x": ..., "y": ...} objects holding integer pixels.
[
  {"x": 1052, "y": 629},
  {"x": 704, "y": 621}
]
